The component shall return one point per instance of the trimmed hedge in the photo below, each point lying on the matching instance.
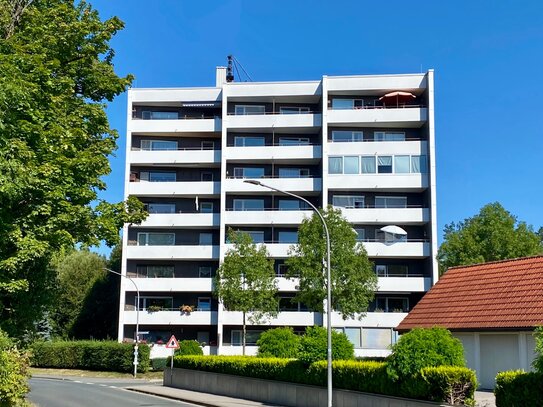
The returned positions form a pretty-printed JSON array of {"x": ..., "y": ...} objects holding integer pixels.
[
  {"x": 159, "y": 364},
  {"x": 91, "y": 355},
  {"x": 517, "y": 388},
  {"x": 443, "y": 383},
  {"x": 189, "y": 347}
]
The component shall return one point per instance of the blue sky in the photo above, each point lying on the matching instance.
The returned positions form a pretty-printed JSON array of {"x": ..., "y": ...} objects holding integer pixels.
[{"x": 487, "y": 55}]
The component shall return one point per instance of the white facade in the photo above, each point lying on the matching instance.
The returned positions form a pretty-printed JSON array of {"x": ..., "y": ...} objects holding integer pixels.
[{"x": 333, "y": 141}]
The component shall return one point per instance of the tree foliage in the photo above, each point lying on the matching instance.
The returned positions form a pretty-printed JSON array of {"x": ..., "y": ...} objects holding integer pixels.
[
  {"x": 278, "y": 343},
  {"x": 56, "y": 72},
  {"x": 314, "y": 345},
  {"x": 493, "y": 234},
  {"x": 245, "y": 281},
  {"x": 13, "y": 373},
  {"x": 353, "y": 279}
]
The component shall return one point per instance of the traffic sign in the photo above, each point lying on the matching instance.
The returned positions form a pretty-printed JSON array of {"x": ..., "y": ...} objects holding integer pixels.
[{"x": 172, "y": 343}]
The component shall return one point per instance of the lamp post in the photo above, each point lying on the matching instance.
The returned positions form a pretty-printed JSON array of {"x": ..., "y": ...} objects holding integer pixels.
[
  {"x": 328, "y": 286},
  {"x": 137, "y": 318}
]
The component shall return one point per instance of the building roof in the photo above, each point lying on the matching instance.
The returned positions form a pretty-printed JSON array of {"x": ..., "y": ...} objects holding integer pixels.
[{"x": 504, "y": 294}]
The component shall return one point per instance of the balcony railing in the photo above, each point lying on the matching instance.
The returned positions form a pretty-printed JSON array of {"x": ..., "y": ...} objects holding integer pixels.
[
  {"x": 273, "y": 113},
  {"x": 271, "y": 176},
  {"x": 399, "y": 106},
  {"x": 176, "y": 149},
  {"x": 267, "y": 209},
  {"x": 278, "y": 144},
  {"x": 368, "y": 206},
  {"x": 180, "y": 117}
]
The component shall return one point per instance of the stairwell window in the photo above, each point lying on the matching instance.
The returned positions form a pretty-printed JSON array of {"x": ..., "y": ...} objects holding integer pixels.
[
  {"x": 368, "y": 165},
  {"x": 335, "y": 165},
  {"x": 351, "y": 165},
  {"x": 402, "y": 164},
  {"x": 156, "y": 239}
]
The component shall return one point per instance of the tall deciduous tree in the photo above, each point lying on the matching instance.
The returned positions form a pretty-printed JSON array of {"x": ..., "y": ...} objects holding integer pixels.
[
  {"x": 493, "y": 234},
  {"x": 245, "y": 281},
  {"x": 353, "y": 279},
  {"x": 56, "y": 72}
]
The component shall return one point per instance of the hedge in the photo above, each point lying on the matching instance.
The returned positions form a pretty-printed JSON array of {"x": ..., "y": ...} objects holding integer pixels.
[
  {"x": 443, "y": 383},
  {"x": 517, "y": 388},
  {"x": 91, "y": 355}
]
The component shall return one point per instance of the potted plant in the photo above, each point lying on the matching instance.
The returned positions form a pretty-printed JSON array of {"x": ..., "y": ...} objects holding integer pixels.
[
  {"x": 186, "y": 309},
  {"x": 154, "y": 308}
]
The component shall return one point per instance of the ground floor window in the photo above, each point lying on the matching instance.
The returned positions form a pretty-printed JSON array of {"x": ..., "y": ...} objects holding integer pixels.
[
  {"x": 370, "y": 338},
  {"x": 250, "y": 338}
]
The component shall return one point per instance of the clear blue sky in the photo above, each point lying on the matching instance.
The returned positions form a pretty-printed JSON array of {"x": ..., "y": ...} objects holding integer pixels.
[{"x": 488, "y": 58}]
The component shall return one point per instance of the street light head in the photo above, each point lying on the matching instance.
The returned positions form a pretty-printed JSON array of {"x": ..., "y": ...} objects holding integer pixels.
[{"x": 252, "y": 181}]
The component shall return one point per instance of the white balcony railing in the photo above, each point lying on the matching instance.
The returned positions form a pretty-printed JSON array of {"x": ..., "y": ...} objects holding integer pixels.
[
  {"x": 286, "y": 184},
  {"x": 276, "y": 153},
  {"x": 178, "y": 189},
  {"x": 307, "y": 120},
  {"x": 413, "y": 249},
  {"x": 176, "y": 126},
  {"x": 173, "y": 157},
  {"x": 404, "y": 284},
  {"x": 174, "y": 284},
  {"x": 387, "y": 215},
  {"x": 171, "y": 318},
  {"x": 185, "y": 252},
  {"x": 266, "y": 217},
  {"x": 181, "y": 220},
  {"x": 398, "y": 182},
  {"x": 401, "y": 117},
  {"x": 407, "y": 147},
  {"x": 283, "y": 318}
]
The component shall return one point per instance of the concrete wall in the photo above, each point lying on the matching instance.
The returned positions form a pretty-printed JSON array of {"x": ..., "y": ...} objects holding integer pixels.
[{"x": 281, "y": 393}]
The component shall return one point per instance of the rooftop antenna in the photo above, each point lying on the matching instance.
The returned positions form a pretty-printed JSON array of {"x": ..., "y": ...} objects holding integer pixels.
[
  {"x": 234, "y": 64},
  {"x": 229, "y": 71}
]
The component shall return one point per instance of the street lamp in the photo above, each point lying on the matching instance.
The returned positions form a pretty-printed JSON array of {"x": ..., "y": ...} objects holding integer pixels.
[
  {"x": 328, "y": 286},
  {"x": 137, "y": 318}
]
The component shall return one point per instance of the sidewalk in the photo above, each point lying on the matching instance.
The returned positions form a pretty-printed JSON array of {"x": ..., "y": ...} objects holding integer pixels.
[{"x": 203, "y": 399}]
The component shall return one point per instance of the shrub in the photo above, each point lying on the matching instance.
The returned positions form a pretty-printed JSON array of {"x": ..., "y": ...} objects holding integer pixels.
[
  {"x": 424, "y": 347},
  {"x": 13, "y": 373},
  {"x": 189, "y": 347},
  {"x": 278, "y": 343},
  {"x": 159, "y": 364},
  {"x": 314, "y": 343},
  {"x": 518, "y": 388},
  {"x": 92, "y": 355},
  {"x": 453, "y": 385},
  {"x": 538, "y": 360}
]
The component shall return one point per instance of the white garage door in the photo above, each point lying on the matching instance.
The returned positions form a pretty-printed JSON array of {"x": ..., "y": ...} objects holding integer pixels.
[{"x": 498, "y": 353}]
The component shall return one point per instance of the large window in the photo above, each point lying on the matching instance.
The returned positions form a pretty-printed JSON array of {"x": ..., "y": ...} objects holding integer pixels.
[
  {"x": 345, "y": 104},
  {"x": 206, "y": 207},
  {"x": 288, "y": 237},
  {"x": 249, "y": 109},
  {"x": 392, "y": 304},
  {"x": 348, "y": 201},
  {"x": 384, "y": 164},
  {"x": 386, "y": 237},
  {"x": 292, "y": 205},
  {"x": 248, "y": 204},
  {"x": 155, "y": 271},
  {"x": 360, "y": 234},
  {"x": 247, "y": 172},
  {"x": 149, "y": 115},
  {"x": 156, "y": 239},
  {"x": 391, "y": 270},
  {"x": 249, "y": 141},
  {"x": 293, "y": 172},
  {"x": 351, "y": 165},
  {"x": 391, "y": 202},
  {"x": 293, "y": 110},
  {"x": 165, "y": 303},
  {"x": 344, "y": 136},
  {"x": 376, "y": 338},
  {"x": 368, "y": 165},
  {"x": 158, "y": 145},
  {"x": 335, "y": 165},
  {"x": 158, "y": 176},
  {"x": 250, "y": 337},
  {"x": 401, "y": 164},
  {"x": 389, "y": 136},
  {"x": 160, "y": 207},
  {"x": 418, "y": 164}
]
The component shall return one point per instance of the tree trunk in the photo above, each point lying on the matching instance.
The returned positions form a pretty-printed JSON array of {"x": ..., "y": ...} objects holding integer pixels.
[{"x": 244, "y": 333}]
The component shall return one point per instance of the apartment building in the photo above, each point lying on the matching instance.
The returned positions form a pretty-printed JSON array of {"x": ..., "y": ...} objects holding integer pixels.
[{"x": 362, "y": 143}]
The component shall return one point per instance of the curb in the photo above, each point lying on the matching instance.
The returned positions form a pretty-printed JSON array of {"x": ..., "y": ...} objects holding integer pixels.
[{"x": 143, "y": 391}]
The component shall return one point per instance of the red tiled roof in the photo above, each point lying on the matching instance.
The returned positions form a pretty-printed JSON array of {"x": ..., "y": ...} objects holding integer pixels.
[{"x": 504, "y": 294}]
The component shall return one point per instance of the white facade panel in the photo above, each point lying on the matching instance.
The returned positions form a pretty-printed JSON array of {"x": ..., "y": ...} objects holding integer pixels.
[
  {"x": 398, "y": 250},
  {"x": 379, "y": 148},
  {"x": 276, "y": 218},
  {"x": 162, "y": 220},
  {"x": 371, "y": 320},
  {"x": 286, "y": 184},
  {"x": 174, "y": 95},
  {"x": 273, "y": 89},
  {"x": 174, "y": 284},
  {"x": 186, "y": 252},
  {"x": 387, "y": 215},
  {"x": 175, "y": 157},
  {"x": 176, "y": 126},
  {"x": 382, "y": 83},
  {"x": 404, "y": 284},
  {"x": 402, "y": 117},
  {"x": 276, "y": 121},
  {"x": 385, "y": 182},
  {"x": 282, "y": 319},
  {"x": 276, "y": 153},
  {"x": 171, "y": 318},
  {"x": 174, "y": 189}
]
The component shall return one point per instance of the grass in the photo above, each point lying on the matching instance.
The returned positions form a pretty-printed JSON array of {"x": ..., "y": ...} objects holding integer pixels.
[{"x": 92, "y": 373}]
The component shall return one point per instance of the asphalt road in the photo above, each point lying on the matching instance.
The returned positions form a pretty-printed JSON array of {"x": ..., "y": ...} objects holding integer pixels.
[{"x": 91, "y": 392}]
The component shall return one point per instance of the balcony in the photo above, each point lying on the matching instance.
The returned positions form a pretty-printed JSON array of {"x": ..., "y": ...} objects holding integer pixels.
[
  {"x": 185, "y": 252},
  {"x": 173, "y": 157},
  {"x": 409, "y": 215},
  {"x": 171, "y": 318},
  {"x": 285, "y": 318},
  {"x": 410, "y": 116},
  {"x": 371, "y": 320},
  {"x": 383, "y": 182},
  {"x": 404, "y": 284},
  {"x": 284, "y": 284},
  {"x": 305, "y": 184},
  {"x": 415, "y": 248},
  {"x": 276, "y": 250},
  {"x": 273, "y": 119},
  {"x": 177, "y": 189},
  {"x": 174, "y": 284},
  {"x": 180, "y": 220},
  {"x": 407, "y": 147},
  {"x": 266, "y": 217},
  {"x": 293, "y": 153},
  {"x": 190, "y": 125}
]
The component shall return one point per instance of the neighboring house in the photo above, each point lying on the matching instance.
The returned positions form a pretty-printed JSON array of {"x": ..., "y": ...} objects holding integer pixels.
[
  {"x": 492, "y": 308},
  {"x": 363, "y": 143}
]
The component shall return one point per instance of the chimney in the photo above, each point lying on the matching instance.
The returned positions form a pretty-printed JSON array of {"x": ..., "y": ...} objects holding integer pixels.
[{"x": 220, "y": 77}]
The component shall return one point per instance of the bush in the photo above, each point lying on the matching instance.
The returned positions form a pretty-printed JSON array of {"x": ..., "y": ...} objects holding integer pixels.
[
  {"x": 278, "y": 343},
  {"x": 314, "y": 343},
  {"x": 518, "y": 388},
  {"x": 91, "y": 355},
  {"x": 158, "y": 364},
  {"x": 538, "y": 360},
  {"x": 13, "y": 373},
  {"x": 424, "y": 347},
  {"x": 189, "y": 347},
  {"x": 443, "y": 383}
]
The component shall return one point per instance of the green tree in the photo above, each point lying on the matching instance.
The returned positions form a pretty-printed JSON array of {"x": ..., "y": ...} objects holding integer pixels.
[
  {"x": 56, "y": 73},
  {"x": 352, "y": 276},
  {"x": 493, "y": 234},
  {"x": 245, "y": 281},
  {"x": 314, "y": 345},
  {"x": 279, "y": 343}
]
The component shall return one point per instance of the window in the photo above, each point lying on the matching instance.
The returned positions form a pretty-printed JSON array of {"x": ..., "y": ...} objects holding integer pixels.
[
  {"x": 208, "y": 145},
  {"x": 282, "y": 270},
  {"x": 391, "y": 202},
  {"x": 155, "y": 271},
  {"x": 158, "y": 176},
  {"x": 368, "y": 165},
  {"x": 292, "y": 205},
  {"x": 381, "y": 270},
  {"x": 148, "y": 115},
  {"x": 204, "y": 271},
  {"x": 160, "y": 207},
  {"x": 286, "y": 304},
  {"x": 249, "y": 109},
  {"x": 206, "y": 238},
  {"x": 343, "y": 104},
  {"x": 384, "y": 164},
  {"x": 401, "y": 164},
  {"x": 335, "y": 165},
  {"x": 418, "y": 164},
  {"x": 293, "y": 110},
  {"x": 388, "y": 136},
  {"x": 350, "y": 165},
  {"x": 158, "y": 145},
  {"x": 391, "y": 270},
  {"x": 293, "y": 172},
  {"x": 360, "y": 234},
  {"x": 376, "y": 338},
  {"x": 343, "y": 136},
  {"x": 206, "y": 207},
  {"x": 348, "y": 201},
  {"x": 250, "y": 337},
  {"x": 248, "y": 141},
  {"x": 206, "y": 176},
  {"x": 248, "y": 172},
  {"x": 293, "y": 141},
  {"x": 165, "y": 303},
  {"x": 156, "y": 239},
  {"x": 204, "y": 304},
  {"x": 385, "y": 237},
  {"x": 248, "y": 204},
  {"x": 392, "y": 304},
  {"x": 256, "y": 235},
  {"x": 288, "y": 237},
  {"x": 354, "y": 336}
]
